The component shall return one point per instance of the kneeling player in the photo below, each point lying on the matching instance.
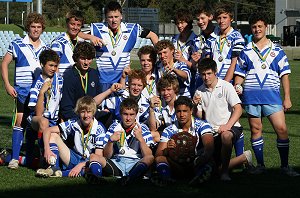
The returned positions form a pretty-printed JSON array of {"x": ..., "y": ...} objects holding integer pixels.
[{"x": 87, "y": 133}]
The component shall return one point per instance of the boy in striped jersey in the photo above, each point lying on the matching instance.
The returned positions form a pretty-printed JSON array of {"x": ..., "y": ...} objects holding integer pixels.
[
  {"x": 86, "y": 156},
  {"x": 261, "y": 66},
  {"x": 25, "y": 52}
]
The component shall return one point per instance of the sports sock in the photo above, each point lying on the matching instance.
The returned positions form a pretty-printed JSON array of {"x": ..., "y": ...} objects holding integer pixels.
[
  {"x": 239, "y": 145},
  {"x": 283, "y": 148},
  {"x": 138, "y": 170},
  {"x": 95, "y": 168},
  {"x": 258, "y": 148},
  {"x": 17, "y": 140},
  {"x": 163, "y": 169},
  {"x": 54, "y": 149}
]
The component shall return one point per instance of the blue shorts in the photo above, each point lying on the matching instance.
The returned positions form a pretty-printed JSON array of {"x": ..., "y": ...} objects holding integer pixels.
[
  {"x": 262, "y": 110},
  {"x": 125, "y": 164},
  {"x": 75, "y": 159}
]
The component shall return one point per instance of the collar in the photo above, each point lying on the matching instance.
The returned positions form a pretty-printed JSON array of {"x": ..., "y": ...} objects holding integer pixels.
[
  {"x": 26, "y": 40},
  {"x": 122, "y": 27}
]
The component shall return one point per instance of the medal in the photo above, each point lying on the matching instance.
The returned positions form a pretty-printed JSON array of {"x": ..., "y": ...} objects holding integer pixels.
[
  {"x": 200, "y": 51},
  {"x": 113, "y": 53},
  {"x": 122, "y": 151},
  {"x": 263, "y": 66},
  {"x": 125, "y": 37},
  {"x": 272, "y": 54},
  {"x": 141, "y": 110},
  {"x": 220, "y": 59},
  {"x": 228, "y": 44},
  {"x": 160, "y": 117}
]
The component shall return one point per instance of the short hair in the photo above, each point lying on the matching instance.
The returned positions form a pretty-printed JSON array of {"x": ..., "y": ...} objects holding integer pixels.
[
  {"x": 206, "y": 64},
  {"x": 184, "y": 15},
  {"x": 205, "y": 9},
  {"x": 183, "y": 100},
  {"x": 85, "y": 50},
  {"x": 129, "y": 103},
  {"x": 76, "y": 14},
  {"x": 112, "y": 6},
  {"x": 34, "y": 18},
  {"x": 223, "y": 8},
  {"x": 148, "y": 49},
  {"x": 259, "y": 15},
  {"x": 168, "y": 81},
  {"x": 86, "y": 103},
  {"x": 137, "y": 74},
  {"x": 48, "y": 55},
  {"x": 163, "y": 44}
]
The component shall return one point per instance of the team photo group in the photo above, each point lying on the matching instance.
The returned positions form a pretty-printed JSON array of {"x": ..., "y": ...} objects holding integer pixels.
[{"x": 175, "y": 116}]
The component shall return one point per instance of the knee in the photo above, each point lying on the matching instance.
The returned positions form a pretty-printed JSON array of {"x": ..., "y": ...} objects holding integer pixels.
[
  {"x": 226, "y": 137},
  {"x": 148, "y": 159},
  {"x": 256, "y": 127},
  {"x": 44, "y": 123},
  {"x": 54, "y": 137}
]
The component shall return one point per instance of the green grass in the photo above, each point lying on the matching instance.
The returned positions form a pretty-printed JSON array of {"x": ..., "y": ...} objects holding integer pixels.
[{"x": 22, "y": 182}]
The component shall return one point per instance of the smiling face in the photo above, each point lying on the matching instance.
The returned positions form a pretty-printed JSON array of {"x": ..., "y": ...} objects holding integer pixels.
[
  {"x": 168, "y": 94},
  {"x": 35, "y": 31},
  {"x": 203, "y": 20},
  {"x": 73, "y": 27},
  {"x": 114, "y": 19},
  {"x": 166, "y": 55},
  {"x": 181, "y": 26},
  {"x": 146, "y": 63},
  {"x": 136, "y": 87},
  {"x": 259, "y": 30},
  {"x": 224, "y": 22},
  {"x": 183, "y": 114},
  {"x": 86, "y": 116}
]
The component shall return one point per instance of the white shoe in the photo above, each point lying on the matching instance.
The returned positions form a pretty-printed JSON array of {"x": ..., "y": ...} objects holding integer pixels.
[
  {"x": 248, "y": 156},
  {"x": 289, "y": 171},
  {"x": 51, "y": 171},
  {"x": 13, "y": 164}
]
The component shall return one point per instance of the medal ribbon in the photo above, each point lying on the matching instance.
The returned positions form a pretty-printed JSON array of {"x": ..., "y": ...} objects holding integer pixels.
[
  {"x": 85, "y": 142},
  {"x": 71, "y": 43},
  {"x": 263, "y": 58},
  {"x": 221, "y": 43},
  {"x": 150, "y": 86},
  {"x": 82, "y": 78},
  {"x": 184, "y": 44},
  {"x": 124, "y": 134},
  {"x": 115, "y": 38}
]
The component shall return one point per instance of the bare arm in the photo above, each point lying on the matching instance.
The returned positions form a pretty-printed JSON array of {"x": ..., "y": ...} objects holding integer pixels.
[
  {"x": 287, "y": 104},
  {"x": 39, "y": 107},
  {"x": 153, "y": 37},
  {"x": 230, "y": 71},
  {"x": 46, "y": 139},
  {"x": 94, "y": 39},
  {"x": 100, "y": 97},
  {"x": 108, "y": 150},
  {"x": 4, "y": 72}
]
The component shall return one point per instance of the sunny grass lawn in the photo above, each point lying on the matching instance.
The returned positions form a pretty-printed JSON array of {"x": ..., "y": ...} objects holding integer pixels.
[{"x": 22, "y": 182}]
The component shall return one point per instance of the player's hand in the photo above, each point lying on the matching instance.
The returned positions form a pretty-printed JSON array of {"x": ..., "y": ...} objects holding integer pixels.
[
  {"x": 137, "y": 131},
  {"x": 155, "y": 101},
  {"x": 10, "y": 90},
  {"x": 46, "y": 86},
  {"x": 116, "y": 87},
  {"x": 126, "y": 71},
  {"x": 197, "y": 98},
  {"x": 171, "y": 144},
  {"x": 115, "y": 136},
  {"x": 97, "y": 41},
  {"x": 238, "y": 88},
  {"x": 224, "y": 128},
  {"x": 47, "y": 154},
  {"x": 76, "y": 170},
  {"x": 178, "y": 56},
  {"x": 196, "y": 56},
  {"x": 287, "y": 104}
]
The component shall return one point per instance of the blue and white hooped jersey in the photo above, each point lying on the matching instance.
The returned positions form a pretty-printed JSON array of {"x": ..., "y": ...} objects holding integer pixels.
[
  {"x": 262, "y": 78},
  {"x": 189, "y": 47},
  {"x": 198, "y": 129},
  {"x": 51, "y": 97},
  {"x": 131, "y": 145},
  {"x": 184, "y": 85},
  {"x": 165, "y": 115},
  {"x": 27, "y": 64},
  {"x": 64, "y": 47},
  {"x": 223, "y": 51},
  {"x": 90, "y": 141},
  {"x": 110, "y": 59},
  {"x": 150, "y": 90}
]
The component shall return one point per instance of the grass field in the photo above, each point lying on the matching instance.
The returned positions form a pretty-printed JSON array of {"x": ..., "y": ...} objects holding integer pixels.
[{"x": 22, "y": 182}]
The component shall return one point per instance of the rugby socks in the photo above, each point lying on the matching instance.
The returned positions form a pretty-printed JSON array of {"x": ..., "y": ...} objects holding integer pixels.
[
  {"x": 258, "y": 148},
  {"x": 54, "y": 149},
  {"x": 17, "y": 140},
  {"x": 283, "y": 148},
  {"x": 95, "y": 168},
  {"x": 138, "y": 171},
  {"x": 163, "y": 169},
  {"x": 239, "y": 145}
]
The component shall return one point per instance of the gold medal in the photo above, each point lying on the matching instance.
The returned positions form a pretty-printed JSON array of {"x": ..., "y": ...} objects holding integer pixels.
[
  {"x": 263, "y": 66},
  {"x": 220, "y": 59},
  {"x": 113, "y": 53}
]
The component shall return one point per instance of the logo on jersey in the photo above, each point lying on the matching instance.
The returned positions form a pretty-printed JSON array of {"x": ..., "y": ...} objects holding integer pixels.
[
  {"x": 93, "y": 84},
  {"x": 125, "y": 37}
]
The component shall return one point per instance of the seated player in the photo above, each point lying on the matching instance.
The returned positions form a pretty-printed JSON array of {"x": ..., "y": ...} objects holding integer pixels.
[
  {"x": 168, "y": 65},
  {"x": 87, "y": 134},
  {"x": 127, "y": 144}
]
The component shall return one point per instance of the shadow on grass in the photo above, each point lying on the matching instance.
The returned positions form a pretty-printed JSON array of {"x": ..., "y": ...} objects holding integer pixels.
[
  {"x": 272, "y": 184},
  {"x": 5, "y": 120}
]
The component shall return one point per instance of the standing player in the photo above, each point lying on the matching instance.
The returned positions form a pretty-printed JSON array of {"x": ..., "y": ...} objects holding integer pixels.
[
  {"x": 227, "y": 45},
  {"x": 65, "y": 43},
  {"x": 25, "y": 52},
  {"x": 262, "y": 65},
  {"x": 168, "y": 65},
  {"x": 127, "y": 144},
  {"x": 87, "y": 134},
  {"x": 120, "y": 39}
]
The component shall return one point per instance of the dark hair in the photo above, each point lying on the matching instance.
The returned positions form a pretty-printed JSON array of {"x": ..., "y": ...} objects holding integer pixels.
[
  {"x": 205, "y": 9},
  {"x": 76, "y": 14},
  {"x": 85, "y": 103},
  {"x": 224, "y": 9},
  {"x": 163, "y": 44},
  {"x": 137, "y": 74},
  {"x": 259, "y": 15},
  {"x": 34, "y": 18},
  {"x": 148, "y": 49},
  {"x": 129, "y": 103},
  {"x": 183, "y": 100},
  {"x": 206, "y": 64},
  {"x": 85, "y": 50},
  {"x": 48, "y": 55},
  {"x": 168, "y": 81},
  {"x": 112, "y": 6},
  {"x": 184, "y": 15}
]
